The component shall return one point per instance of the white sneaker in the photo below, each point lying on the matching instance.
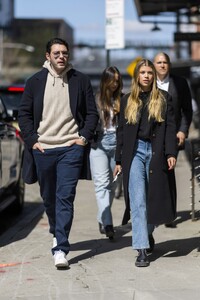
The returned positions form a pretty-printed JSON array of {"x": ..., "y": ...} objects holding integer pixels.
[
  {"x": 60, "y": 259},
  {"x": 54, "y": 242}
]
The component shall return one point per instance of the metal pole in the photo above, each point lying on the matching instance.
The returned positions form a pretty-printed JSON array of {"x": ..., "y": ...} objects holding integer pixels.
[
  {"x": 192, "y": 183},
  {"x": 107, "y": 57},
  {"x": 178, "y": 52},
  {"x": 1, "y": 51},
  {"x": 189, "y": 42}
]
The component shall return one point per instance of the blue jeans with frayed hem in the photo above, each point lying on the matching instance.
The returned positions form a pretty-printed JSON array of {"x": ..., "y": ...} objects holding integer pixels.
[{"x": 138, "y": 189}]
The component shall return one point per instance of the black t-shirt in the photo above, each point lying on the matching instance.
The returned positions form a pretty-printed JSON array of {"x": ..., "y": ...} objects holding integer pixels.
[{"x": 144, "y": 131}]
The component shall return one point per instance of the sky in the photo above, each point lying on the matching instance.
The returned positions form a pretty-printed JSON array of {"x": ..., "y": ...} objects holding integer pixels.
[{"x": 87, "y": 18}]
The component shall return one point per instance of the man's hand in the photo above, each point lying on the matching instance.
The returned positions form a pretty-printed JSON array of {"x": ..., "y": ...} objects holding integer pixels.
[
  {"x": 171, "y": 163},
  {"x": 76, "y": 141},
  {"x": 38, "y": 146}
]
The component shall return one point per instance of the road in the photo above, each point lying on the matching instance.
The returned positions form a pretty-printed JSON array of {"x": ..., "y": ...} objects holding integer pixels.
[
  {"x": 100, "y": 269},
  {"x": 10, "y": 223}
]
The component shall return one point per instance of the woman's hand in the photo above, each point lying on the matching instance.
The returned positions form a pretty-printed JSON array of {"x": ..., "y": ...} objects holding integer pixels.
[
  {"x": 171, "y": 163},
  {"x": 117, "y": 169}
]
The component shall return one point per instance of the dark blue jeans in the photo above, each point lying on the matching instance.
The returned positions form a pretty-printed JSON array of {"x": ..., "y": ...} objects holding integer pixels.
[{"x": 58, "y": 172}]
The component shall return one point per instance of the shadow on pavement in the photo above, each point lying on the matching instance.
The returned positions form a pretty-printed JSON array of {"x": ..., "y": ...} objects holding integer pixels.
[
  {"x": 99, "y": 246},
  {"x": 183, "y": 216},
  {"x": 14, "y": 228},
  {"x": 170, "y": 248},
  {"x": 175, "y": 248}
]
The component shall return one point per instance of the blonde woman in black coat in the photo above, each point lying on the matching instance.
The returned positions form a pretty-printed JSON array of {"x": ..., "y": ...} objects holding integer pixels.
[{"x": 146, "y": 154}]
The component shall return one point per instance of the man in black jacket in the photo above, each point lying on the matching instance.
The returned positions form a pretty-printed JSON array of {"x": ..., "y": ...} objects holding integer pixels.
[
  {"x": 178, "y": 88},
  {"x": 57, "y": 118}
]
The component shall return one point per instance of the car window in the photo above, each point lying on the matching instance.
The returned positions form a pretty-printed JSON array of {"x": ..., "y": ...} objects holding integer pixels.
[
  {"x": 11, "y": 96},
  {"x": 11, "y": 101}
]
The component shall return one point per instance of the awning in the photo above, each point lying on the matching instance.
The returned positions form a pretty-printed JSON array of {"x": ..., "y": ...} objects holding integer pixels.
[{"x": 163, "y": 7}]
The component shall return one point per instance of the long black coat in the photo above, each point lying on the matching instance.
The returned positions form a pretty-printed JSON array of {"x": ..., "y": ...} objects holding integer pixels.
[
  {"x": 181, "y": 101},
  {"x": 83, "y": 108},
  {"x": 161, "y": 201}
]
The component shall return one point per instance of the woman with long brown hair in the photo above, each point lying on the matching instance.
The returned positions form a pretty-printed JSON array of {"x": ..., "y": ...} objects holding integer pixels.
[
  {"x": 102, "y": 152},
  {"x": 146, "y": 154}
]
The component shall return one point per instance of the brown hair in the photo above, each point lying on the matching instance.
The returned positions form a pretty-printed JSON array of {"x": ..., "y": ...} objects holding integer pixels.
[{"x": 106, "y": 100}]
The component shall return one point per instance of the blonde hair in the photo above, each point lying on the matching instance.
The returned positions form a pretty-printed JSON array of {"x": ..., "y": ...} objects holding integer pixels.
[{"x": 156, "y": 103}]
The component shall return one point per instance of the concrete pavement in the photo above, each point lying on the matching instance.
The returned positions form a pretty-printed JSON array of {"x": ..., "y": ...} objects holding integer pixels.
[{"x": 101, "y": 269}]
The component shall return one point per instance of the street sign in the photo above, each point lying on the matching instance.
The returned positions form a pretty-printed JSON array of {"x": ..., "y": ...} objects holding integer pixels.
[
  {"x": 114, "y": 24},
  {"x": 186, "y": 36},
  {"x": 131, "y": 67}
]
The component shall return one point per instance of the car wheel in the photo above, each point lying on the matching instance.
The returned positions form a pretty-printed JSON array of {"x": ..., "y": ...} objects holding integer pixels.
[{"x": 18, "y": 204}]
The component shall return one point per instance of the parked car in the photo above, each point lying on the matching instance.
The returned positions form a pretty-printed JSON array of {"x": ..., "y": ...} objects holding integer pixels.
[
  {"x": 12, "y": 186},
  {"x": 11, "y": 96}
]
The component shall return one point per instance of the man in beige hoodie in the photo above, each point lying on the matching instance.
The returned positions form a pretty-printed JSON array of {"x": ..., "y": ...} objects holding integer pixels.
[{"x": 57, "y": 118}]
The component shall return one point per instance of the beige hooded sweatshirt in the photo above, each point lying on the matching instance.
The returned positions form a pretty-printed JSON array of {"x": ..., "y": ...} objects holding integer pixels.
[{"x": 57, "y": 127}]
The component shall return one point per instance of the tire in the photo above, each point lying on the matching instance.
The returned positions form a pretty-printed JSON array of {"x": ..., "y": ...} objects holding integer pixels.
[{"x": 19, "y": 193}]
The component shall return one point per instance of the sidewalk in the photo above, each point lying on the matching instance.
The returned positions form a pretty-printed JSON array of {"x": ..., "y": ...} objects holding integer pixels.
[{"x": 101, "y": 269}]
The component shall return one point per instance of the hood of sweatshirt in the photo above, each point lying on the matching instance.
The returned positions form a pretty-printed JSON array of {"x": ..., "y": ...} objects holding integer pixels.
[{"x": 54, "y": 75}]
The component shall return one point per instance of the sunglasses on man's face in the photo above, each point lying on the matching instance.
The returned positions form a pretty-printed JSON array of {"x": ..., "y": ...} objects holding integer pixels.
[{"x": 57, "y": 54}]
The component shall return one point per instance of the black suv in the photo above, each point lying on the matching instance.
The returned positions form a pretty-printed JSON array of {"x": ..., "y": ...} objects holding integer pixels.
[
  {"x": 11, "y": 96},
  {"x": 11, "y": 155}
]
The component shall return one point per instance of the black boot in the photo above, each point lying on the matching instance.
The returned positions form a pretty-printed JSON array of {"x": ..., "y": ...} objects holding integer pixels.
[
  {"x": 170, "y": 225},
  {"x": 101, "y": 228},
  {"x": 142, "y": 259},
  {"x": 109, "y": 231},
  {"x": 151, "y": 243}
]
